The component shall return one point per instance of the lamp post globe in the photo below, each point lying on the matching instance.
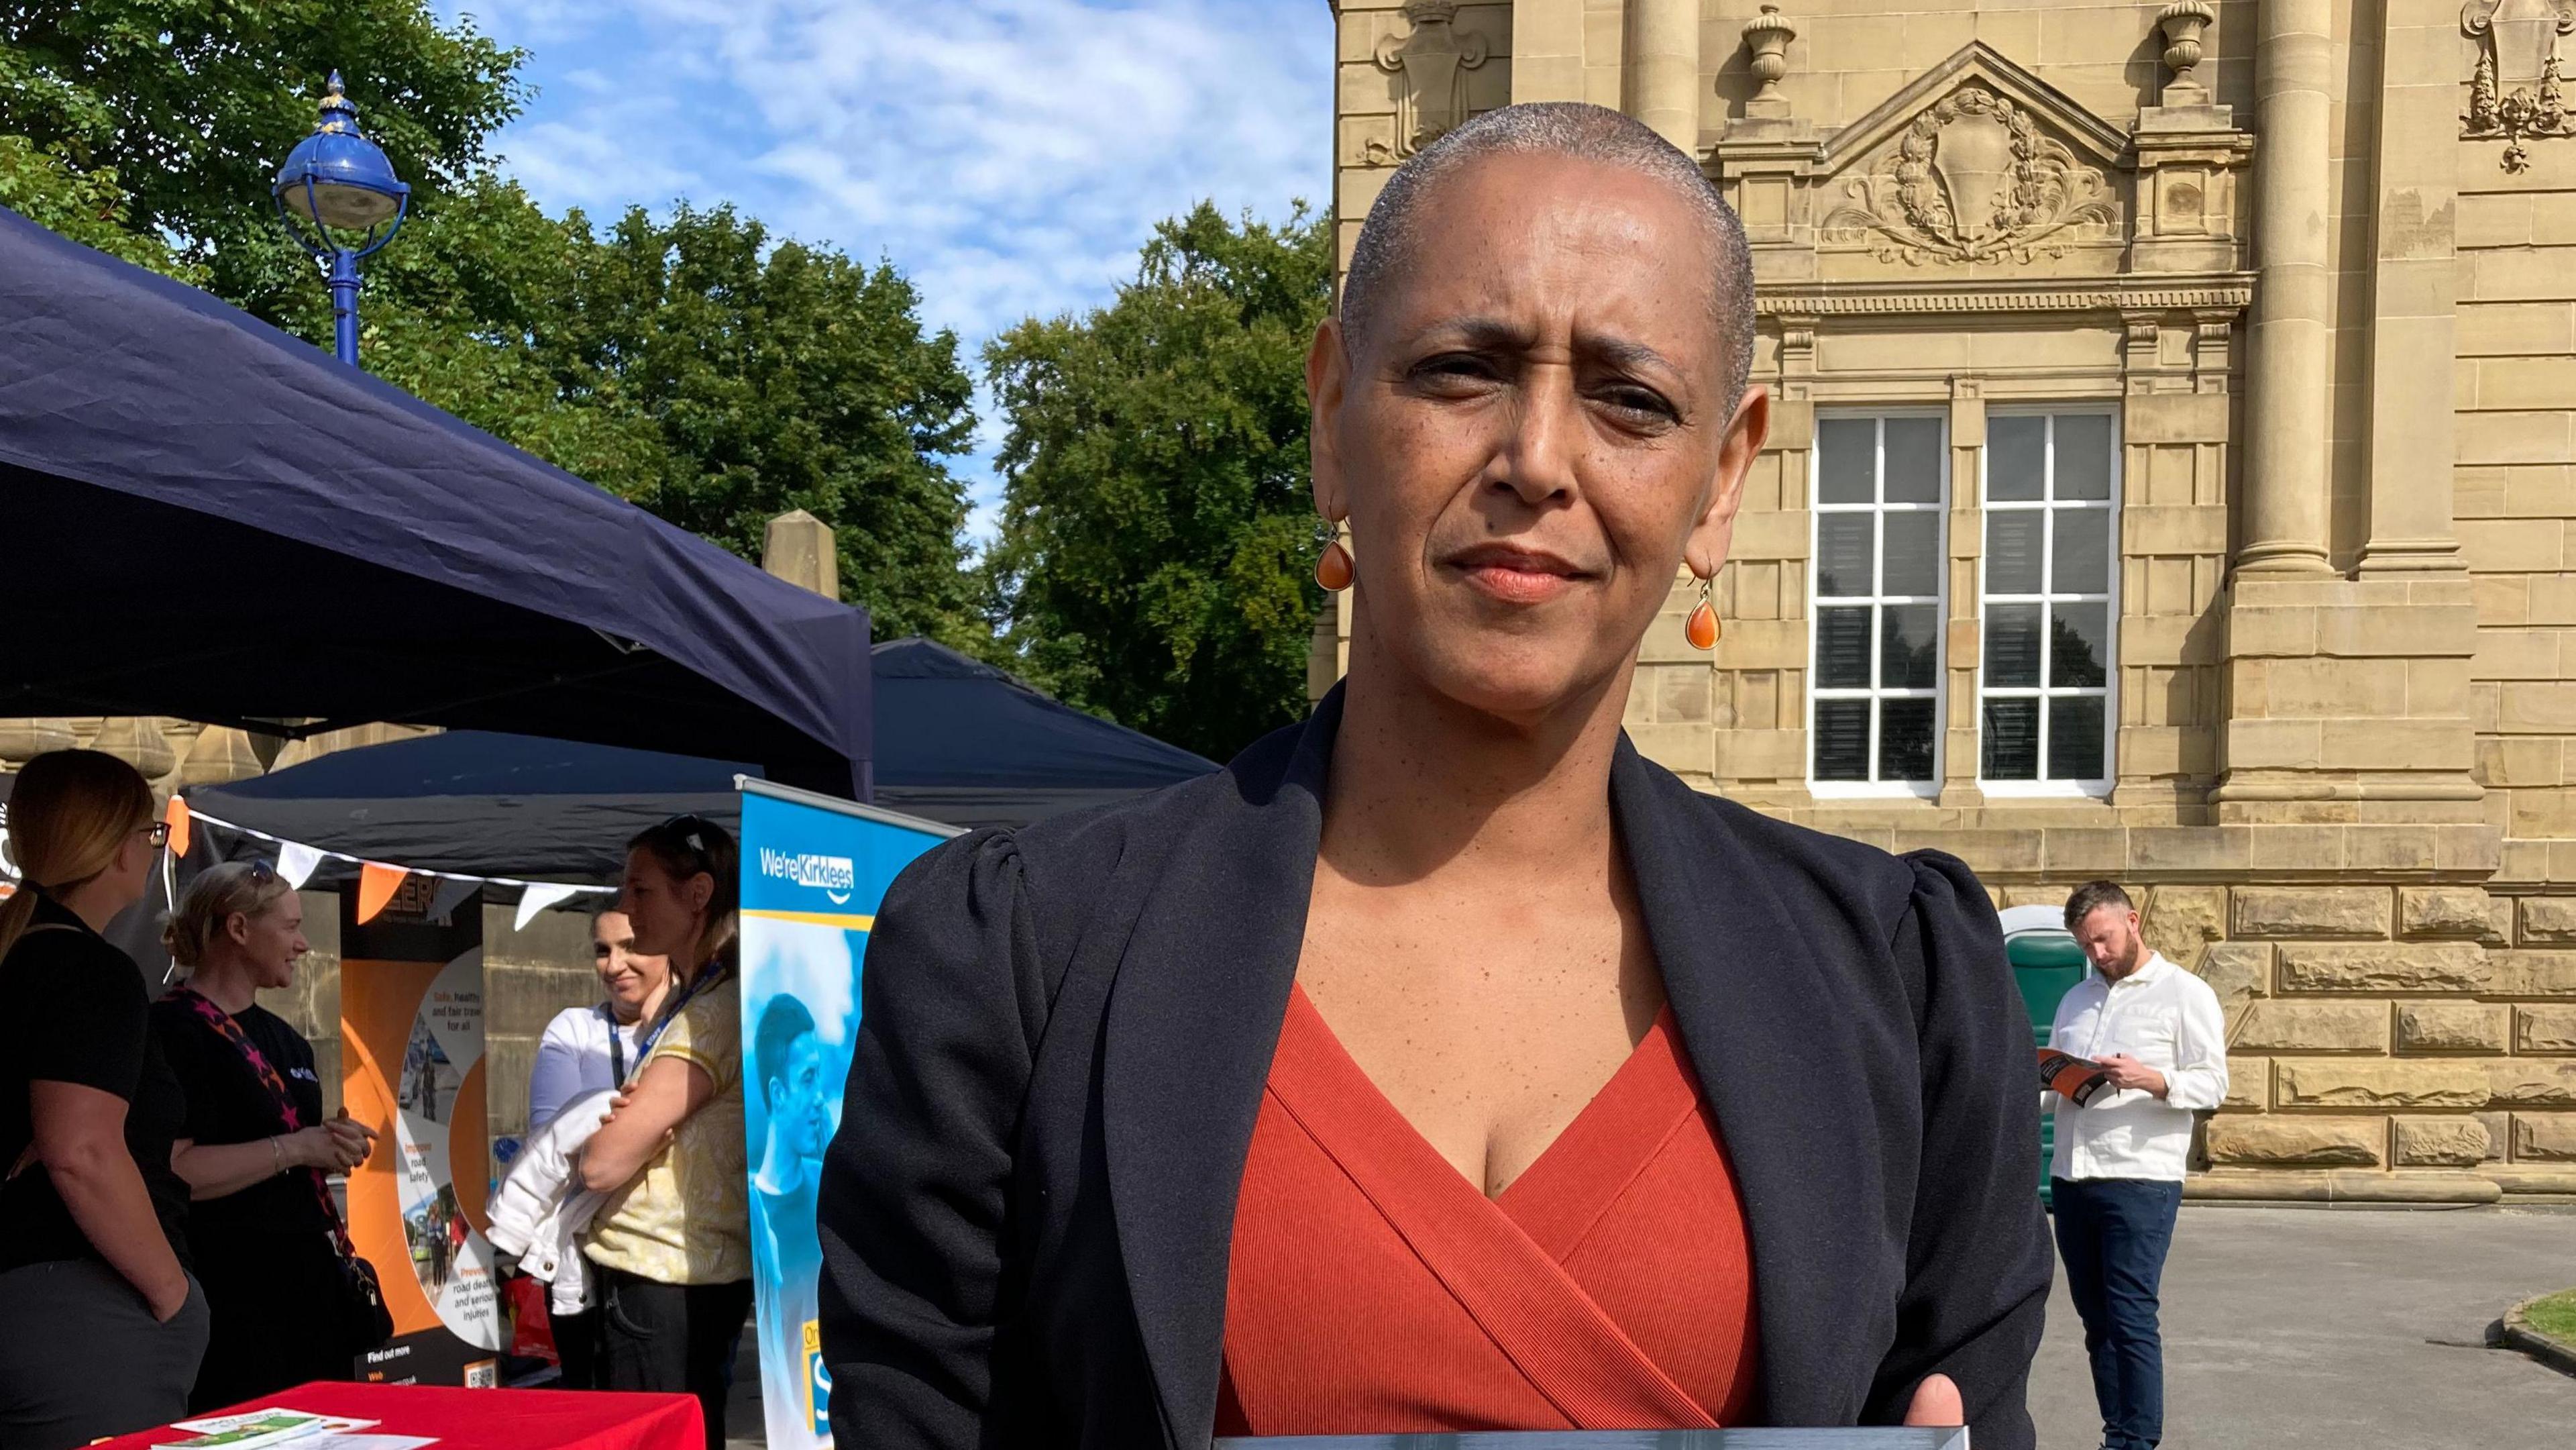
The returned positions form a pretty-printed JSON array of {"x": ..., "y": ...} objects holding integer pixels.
[{"x": 334, "y": 182}]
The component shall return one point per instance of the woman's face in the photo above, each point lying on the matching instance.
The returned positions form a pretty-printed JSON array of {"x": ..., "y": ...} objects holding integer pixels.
[
  {"x": 629, "y": 976},
  {"x": 666, "y": 912},
  {"x": 269, "y": 941},
  {"x": 1535, "y": 433},
  {"x": 128, "y": 873}
]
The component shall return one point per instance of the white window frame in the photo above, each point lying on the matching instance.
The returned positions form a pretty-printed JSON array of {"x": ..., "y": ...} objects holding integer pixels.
[
  {"x": 2109, "y": 689},
  {"x": 1817, "y": 508}
]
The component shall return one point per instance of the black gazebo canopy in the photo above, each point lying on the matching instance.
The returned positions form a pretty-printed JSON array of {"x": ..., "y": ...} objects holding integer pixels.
[
  {"x": 204, "y": 517},
  {"x": 958, "y": 742}
]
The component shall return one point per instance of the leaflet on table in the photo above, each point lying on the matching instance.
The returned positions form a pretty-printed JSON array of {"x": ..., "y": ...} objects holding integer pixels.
[{"x": 253, "y": 1428}]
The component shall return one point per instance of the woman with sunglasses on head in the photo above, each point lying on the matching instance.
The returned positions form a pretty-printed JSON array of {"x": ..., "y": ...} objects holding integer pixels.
[
  {"x": 673, "y": 1241},
  {"x": 101, "y": 1326},
  {"x": 264, "y": 1232}
]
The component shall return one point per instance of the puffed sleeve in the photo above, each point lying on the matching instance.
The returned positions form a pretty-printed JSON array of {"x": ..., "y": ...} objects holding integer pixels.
[
  {"x": 1979, "y": 1262},
  {"x": 915, "y": 1183}
]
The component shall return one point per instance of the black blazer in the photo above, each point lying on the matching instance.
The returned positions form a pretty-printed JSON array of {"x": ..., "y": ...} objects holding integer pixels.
[{"x": 1065, "y": 1031}]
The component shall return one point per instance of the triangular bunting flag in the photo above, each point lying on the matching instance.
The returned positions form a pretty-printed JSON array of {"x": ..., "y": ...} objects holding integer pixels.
[
  {"x": 296, "y": 862},
  {"x": 377, "y": 883},
  {"x": 176, "y": 817},
  {"x": 451, "y": 893},
  {"x": 536, "y": 897}
]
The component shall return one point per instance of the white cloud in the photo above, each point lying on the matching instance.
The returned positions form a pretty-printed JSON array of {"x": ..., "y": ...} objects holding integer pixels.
[{"x": 1011, "y": 156}]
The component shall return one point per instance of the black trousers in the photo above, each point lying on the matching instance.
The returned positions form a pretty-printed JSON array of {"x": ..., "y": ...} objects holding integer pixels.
[
  {"x": 576, "y": 1347},
  {"x": 674, "y": 1338},
  {"x": 278, "y": 1306}
]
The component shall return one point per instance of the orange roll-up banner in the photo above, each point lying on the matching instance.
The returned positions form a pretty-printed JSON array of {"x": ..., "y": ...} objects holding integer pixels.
[{"x": 411, "y": 1053}]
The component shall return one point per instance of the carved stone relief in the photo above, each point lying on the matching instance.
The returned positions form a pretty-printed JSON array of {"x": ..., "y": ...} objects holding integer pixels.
[
  {"x": 1974, "y": 179},
  {"x": 2515, "y": 93},
  {"x": 1430, "y": 64}
]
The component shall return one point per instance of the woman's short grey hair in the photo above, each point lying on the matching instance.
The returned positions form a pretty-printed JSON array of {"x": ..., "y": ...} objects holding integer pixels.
[{"x": 1395, "y": 229}]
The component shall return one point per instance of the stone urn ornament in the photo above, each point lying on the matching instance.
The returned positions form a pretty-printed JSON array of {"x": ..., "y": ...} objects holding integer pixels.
[
  {"x": 1766, "y": 40},
  {"x": 2183, "y": 24}
]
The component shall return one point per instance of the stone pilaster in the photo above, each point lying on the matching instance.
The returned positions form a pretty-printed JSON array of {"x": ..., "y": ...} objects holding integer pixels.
[
  {"x": 2413, "y": 295},
  {"x": 1660, "y": 81},
  {"x": 2285, "y": 479}
]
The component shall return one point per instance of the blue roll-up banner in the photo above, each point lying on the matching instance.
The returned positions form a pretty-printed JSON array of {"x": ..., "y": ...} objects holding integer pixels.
[{"x": 813, "y": 871}]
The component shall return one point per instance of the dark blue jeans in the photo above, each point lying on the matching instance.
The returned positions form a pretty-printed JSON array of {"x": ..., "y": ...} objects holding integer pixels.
[{"x": 2113, "y": 1233}]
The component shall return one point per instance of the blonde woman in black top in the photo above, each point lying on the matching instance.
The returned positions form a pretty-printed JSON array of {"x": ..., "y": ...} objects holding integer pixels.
[
  {"x": 101, "y": 1327},
  {"x": 262, "y": 1231}
]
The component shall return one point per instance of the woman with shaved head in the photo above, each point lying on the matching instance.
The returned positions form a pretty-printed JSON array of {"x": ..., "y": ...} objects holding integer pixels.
[{"x": 1443, "y": 1064}]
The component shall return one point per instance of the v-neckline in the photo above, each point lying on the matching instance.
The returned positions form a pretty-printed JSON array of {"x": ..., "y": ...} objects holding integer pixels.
[{"x": 1659, "y": 1042}]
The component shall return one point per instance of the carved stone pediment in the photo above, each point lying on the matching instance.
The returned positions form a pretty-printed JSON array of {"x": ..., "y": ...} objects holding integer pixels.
[{"x": 1977, "y": 160}]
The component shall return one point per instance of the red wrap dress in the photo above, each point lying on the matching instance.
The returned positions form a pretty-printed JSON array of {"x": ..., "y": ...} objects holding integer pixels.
[{"x": 1373, "y": 1290}]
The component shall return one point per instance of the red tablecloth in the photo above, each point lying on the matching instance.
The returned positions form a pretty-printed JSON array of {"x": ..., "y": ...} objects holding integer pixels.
[{"x": 488, "y": 1419}]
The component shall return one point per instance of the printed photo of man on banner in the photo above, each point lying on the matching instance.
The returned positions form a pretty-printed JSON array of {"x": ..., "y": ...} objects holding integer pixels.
[{"x": 813, "y": 871}]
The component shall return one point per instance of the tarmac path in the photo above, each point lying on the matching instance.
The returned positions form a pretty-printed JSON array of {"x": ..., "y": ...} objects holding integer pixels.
[{"x": 2338, "y": 1329}]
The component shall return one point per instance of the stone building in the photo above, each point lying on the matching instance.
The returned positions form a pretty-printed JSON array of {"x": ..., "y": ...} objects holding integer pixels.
[{"x": 2171, "y": 479}]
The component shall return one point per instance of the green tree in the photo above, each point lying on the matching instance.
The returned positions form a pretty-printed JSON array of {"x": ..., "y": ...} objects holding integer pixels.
[
  {"x": 696, "y": 366},
  {"x": 1157, "y": 533},
  {"x": 193, "y": 103},
  {"x": 89, "y": 207}
]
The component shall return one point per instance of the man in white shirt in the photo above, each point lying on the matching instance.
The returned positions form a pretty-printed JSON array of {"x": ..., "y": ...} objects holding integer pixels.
[{"x": 2116, "y": 1181}]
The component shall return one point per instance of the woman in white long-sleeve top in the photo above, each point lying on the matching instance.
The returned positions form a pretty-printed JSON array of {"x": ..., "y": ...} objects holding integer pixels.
[{"x": 585, "y": 1050}]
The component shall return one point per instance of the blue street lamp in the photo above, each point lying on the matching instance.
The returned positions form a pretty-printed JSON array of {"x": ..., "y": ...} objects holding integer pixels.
[{"x": 338, "y": 179}]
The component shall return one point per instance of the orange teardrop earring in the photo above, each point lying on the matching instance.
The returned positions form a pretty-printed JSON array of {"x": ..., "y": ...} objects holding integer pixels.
[
  {"x": 1702, "y": 629},
  {"x": 1333, "y": 568}
]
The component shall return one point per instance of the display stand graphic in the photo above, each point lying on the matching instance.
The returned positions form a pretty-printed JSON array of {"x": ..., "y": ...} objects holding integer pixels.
[
  {"x": 813, "y": 871},
  {"x": 411, "y": 1043}
]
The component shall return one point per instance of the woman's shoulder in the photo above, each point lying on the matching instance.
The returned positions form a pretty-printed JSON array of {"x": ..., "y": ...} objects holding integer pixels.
[
  {"x": 574, "y": 1027},
  {"x": 1814, "y": 869}
]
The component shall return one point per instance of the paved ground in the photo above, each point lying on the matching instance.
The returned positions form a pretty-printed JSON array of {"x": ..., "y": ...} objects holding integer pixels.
[
  {"x": 2338, "y": 1329},
  {"x": 2298, "y": 1329}
]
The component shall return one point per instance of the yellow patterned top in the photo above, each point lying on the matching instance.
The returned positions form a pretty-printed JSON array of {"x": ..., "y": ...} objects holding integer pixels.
[{"x": 686, "y": 1218}]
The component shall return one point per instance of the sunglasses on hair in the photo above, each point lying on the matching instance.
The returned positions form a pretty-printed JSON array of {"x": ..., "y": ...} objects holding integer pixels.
[{"x": 692, "y": 829}]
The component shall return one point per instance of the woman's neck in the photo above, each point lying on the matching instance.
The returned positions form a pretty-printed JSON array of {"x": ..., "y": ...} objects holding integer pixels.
[
  {"x": 642, "y": 1011},
  {"x": 225, "y": 982},
  {"x": 1419, "y": 781},
  {"x": 96, "y": 902}
]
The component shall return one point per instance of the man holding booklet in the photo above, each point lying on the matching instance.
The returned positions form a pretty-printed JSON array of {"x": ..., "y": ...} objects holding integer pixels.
[{"x": 2150, "y": 1045}]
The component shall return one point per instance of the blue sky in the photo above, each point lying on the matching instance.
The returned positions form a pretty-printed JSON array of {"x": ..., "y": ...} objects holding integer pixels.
[{"x": 1009, "y": 155}]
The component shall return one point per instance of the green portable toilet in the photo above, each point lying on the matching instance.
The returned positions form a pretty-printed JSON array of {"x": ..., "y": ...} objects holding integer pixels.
[{"x": 2046, "y": 964}]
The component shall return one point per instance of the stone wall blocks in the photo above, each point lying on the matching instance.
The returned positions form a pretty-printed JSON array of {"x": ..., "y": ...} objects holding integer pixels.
[
  {"x": 2442, "y": 1142},
  {"x": 2545, "y": 1029},
  {"x": 2393, "y": 1083},
  {"x": 2305, "y": 1142},
  {"x": 2451, "y": 1027},
  {"x": 2544, "y": 1137},
  {"x": 2016, "y": 851},
  {"x": 2249, "y": 1084},
  {"x": 2412, "y": 629},
  {"x": 2155, "y": 850},
  {"x": 2307, "y": 849},
  {"x": 2311, "y": 911},
  {"x": 2546, "y": 920},
  {"x": 2176, "y": 418},
  {"x": 2086, "y": 851},
  {"x": 2533, "y": 974},
  {"x": 2448, "y": 911},
  {"x": 2394, "y": 967},
  {"x": 2238, "y": 971},
  {"x": 2282, "y": 1026},
  {"x": 1761, "y": 754},
  {"x": 2536, "y": 1082}
]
